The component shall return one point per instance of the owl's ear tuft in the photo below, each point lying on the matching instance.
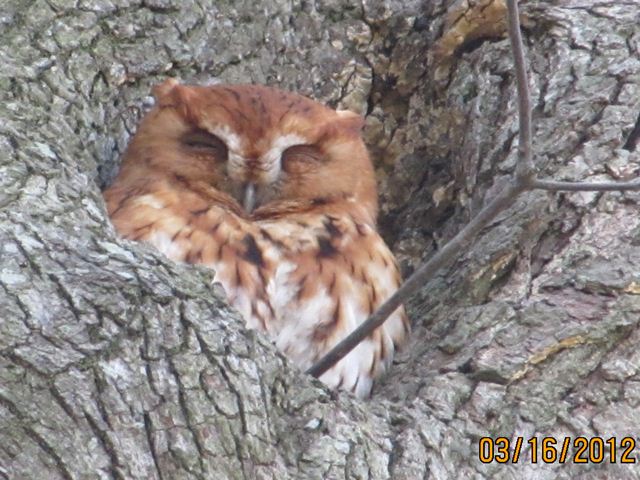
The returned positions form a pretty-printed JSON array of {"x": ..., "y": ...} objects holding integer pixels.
[
  {"x": 171, "y": 94},
  {"x": 350, "y": 120},
  {"x": 162, "y": 91}
]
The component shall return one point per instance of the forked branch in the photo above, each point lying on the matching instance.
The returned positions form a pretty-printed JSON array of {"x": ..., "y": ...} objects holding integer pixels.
[{"x": 523, "y": 180}]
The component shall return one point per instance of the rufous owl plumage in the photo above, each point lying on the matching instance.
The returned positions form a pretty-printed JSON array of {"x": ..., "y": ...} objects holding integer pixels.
[{"x": 277, "y": 194}]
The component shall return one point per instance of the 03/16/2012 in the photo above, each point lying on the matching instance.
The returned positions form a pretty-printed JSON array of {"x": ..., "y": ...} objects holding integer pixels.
[{"x": 552, "y": 450}]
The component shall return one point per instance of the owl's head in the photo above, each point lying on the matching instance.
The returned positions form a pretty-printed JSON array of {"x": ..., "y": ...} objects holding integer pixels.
[{"x": 261, "y": 146}]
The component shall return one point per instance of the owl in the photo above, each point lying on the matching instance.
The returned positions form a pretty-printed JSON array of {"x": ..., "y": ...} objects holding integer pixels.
[{"x": 276, "y": 193}]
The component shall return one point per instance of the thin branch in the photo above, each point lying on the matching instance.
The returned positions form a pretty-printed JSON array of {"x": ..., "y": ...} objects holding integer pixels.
[
  {"x": 525, "y": 167},
  {"x": 524, "y": 180},
  {"x": 554, "y": 186},
  {"x": 422, "y": 275}
]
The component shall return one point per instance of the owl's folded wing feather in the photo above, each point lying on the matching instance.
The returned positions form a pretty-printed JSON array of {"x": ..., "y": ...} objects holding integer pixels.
[{"x": 333, "y": 273}]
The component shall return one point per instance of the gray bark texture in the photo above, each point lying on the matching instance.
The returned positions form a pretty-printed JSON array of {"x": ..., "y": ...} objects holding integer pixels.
[{"x": 116, "y": 363}]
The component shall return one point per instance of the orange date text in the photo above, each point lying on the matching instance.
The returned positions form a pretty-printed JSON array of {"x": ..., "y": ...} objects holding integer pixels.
[{"x": 557, "y": 450}]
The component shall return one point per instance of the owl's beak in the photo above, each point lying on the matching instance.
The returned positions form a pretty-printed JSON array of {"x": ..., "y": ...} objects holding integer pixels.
[{"x": 249, "y": 197}]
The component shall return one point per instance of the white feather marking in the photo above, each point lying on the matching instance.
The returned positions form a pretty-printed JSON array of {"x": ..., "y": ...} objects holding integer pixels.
[
  {"x": 262, "y": 308},
  {"x": 149, "y": 200},
  {"x": 365, "y": 382},
  {"x": 233, "y": 141},
  {"x": 162, "y": 241},
  {"x": 271, "y": 158},
  {"x": 279, "y": 290},
  {"x": 294, "y": 336},
  {"x": 228, "y": 136},
  {"x": 242, "y": 303},
  {"x": 354, "y": 368}
]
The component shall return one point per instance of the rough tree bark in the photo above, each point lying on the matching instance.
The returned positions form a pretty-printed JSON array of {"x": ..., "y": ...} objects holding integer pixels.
[{"x": 117, "y": 363}]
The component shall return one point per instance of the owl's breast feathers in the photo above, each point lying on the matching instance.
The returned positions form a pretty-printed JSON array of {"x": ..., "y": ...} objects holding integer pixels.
[{"x": 308, "y": 275}]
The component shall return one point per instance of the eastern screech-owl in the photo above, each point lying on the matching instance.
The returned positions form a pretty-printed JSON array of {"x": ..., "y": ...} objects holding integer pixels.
[{"x": 275, "y": 192}]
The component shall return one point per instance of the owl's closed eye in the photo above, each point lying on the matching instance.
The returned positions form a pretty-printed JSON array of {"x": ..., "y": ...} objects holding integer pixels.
[{"x": 277, "y": 194}]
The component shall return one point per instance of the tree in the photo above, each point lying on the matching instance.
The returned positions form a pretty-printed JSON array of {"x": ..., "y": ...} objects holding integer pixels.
[{"x": 116, "y": 363}]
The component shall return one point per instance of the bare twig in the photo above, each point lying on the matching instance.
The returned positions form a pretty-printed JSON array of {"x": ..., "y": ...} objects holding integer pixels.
[
  {"x": 524, "y": 180},
  {"x": 423, "y": 274},
  {"x": 554, "y": 186},
  {"x": 524, "y": 168}
]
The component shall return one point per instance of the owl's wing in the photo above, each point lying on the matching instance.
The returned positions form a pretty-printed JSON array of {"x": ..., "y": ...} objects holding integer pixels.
[
  {"x": 187, "y": 227},
  {"x": 333, "y": 273}
]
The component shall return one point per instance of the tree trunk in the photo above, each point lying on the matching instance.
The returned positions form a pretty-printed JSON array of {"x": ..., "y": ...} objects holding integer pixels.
[{"x": 117, "y": 363}]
